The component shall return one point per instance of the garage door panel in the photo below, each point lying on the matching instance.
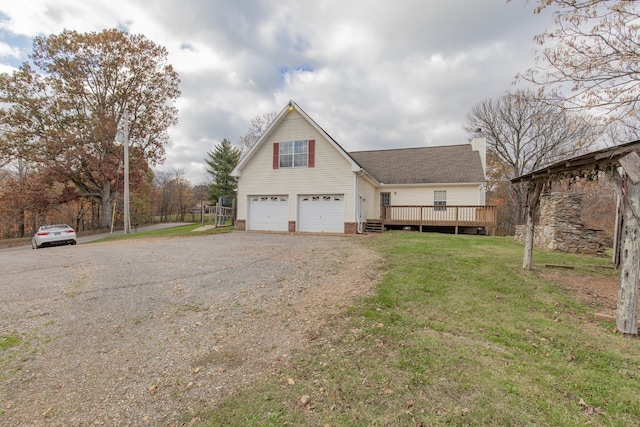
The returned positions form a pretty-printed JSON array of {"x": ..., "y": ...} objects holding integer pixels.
[
  {"x": 321, "y": 213},
  {"x": 269, "y": 213}
]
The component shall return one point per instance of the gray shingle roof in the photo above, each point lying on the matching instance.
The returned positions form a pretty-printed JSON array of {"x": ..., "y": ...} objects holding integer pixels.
[{"x": 442, "y": 164}]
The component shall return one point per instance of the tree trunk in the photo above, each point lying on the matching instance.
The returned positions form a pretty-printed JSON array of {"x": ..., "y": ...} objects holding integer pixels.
[
  {"x": 23, "y": 219},
  {"x": 627, "y": 310},
  {"x": 533, "y": 195},
  {"x": 105, "y": 219}
]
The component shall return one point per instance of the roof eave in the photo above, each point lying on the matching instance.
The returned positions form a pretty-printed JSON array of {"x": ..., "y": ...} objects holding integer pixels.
[{"x": 434, "y": 184}]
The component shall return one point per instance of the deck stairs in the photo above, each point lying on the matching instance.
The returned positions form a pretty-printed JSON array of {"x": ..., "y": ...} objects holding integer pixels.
[{"x": 374, "y": 226}]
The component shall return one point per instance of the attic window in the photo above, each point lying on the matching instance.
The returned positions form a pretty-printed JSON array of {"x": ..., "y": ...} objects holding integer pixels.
[{"x": 294, "y": 154}]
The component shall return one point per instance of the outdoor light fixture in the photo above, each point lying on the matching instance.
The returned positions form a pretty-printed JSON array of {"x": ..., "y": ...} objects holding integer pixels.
[{"x": 290, "y": 106}]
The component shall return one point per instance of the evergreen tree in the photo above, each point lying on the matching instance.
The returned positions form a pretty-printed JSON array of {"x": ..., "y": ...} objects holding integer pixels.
[{"x": 220, "y": 162}]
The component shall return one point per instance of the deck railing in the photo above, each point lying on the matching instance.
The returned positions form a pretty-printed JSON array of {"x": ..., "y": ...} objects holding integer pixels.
[{"x": 464, "y": 216}]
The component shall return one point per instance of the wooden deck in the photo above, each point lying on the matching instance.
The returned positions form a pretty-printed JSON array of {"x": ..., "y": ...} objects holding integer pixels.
[{"x": 439, "y": 216}]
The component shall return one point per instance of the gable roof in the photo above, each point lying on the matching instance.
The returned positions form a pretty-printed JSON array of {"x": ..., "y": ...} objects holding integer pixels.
[
  {"x": 355, "y": 167},
  {"x": 425, "y": 165}
]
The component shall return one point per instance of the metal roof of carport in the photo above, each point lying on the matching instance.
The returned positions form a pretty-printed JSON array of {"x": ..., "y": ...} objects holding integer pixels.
[{"x": 596, "y": 161}]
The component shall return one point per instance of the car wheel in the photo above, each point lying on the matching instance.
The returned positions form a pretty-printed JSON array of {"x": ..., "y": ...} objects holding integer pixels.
[{"x": 74, "y": 242}]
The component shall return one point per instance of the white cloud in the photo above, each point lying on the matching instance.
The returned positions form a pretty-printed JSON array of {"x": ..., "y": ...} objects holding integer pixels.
[
  {"x": 6, "y": 68},
  {"x": 9, "y": 51},
  {"x": 372, "y": 74}
]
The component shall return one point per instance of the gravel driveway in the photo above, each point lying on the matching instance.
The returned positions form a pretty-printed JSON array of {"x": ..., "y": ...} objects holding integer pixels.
[{"x": 146, "y": 331}]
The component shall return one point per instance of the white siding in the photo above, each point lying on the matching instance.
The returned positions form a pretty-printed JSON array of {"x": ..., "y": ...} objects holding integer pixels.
[
  {"x": 464, "y": 194},
  {"x": 331, "y": 174},
  {"x": 371, "y": 204}
]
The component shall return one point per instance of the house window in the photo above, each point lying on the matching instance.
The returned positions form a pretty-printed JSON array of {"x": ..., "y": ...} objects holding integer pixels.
[
  {"x": 294, "y": 154},
  {"x": 440, "y": 200}
]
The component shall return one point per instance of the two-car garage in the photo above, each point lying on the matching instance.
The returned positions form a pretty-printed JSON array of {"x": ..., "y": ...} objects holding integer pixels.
[{"x": 319, "y": 213}]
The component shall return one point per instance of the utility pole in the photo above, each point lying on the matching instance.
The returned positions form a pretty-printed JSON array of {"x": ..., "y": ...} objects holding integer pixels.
[{"x": 127, "y": 219}]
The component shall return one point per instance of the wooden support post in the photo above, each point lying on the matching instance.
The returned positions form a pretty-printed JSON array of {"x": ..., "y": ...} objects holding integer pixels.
[
  {"x": 533, "y": 195},
  {"x": 627, "y": 309},
  {"x": 618, "y": 230},
  {"x": 233, "y": 212}
]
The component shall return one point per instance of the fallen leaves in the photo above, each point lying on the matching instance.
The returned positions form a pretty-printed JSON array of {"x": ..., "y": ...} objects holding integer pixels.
[
  {"x": 439, "y": 412},
  {"x": 590, "y": 410}
]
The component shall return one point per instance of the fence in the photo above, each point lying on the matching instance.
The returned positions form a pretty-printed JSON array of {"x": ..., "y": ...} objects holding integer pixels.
[{"x": 220, "y": 214}]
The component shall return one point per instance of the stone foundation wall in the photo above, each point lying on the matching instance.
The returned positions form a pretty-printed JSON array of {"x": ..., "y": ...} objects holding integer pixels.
[{"x": 560, "y": 227}]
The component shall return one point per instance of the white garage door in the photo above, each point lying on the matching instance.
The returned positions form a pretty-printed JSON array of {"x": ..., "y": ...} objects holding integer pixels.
[
  {"x": 321, "y": 213},
  {"x": 268, "y": 213}
]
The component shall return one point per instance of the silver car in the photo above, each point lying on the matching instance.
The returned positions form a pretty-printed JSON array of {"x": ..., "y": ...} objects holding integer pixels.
[{"x": 53, "y": 235}]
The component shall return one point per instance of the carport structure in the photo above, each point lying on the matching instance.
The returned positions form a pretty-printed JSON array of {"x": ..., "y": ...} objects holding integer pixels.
[{"x": 622, "y": 164}]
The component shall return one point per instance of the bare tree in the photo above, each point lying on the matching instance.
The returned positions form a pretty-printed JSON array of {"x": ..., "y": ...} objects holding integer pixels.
[
  {"x": 183, "y": 193},
  {"x": 259, "y": 125},
  {"x": 594, "y": 51},
  {"x": 524, "y": 132},
  {"x": 25, "y": 195},
  {"x": 176, "y": 194},
  {"x": 161, "y": 181}
]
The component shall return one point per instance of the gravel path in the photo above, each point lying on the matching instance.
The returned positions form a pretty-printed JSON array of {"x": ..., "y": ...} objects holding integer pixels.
[{"x": 145, "y": 331}]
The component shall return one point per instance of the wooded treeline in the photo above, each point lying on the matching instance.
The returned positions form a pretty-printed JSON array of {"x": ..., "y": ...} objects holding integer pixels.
[
  {"x": 66, "y": 114},
  {"x": 33, "y": 200}
]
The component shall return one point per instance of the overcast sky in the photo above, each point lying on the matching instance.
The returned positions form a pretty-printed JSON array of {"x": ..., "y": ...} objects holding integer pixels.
[{"x": 373, "y": 74}]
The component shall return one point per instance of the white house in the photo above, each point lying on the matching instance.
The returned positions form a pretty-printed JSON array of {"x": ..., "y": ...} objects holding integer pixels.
[{"x": 297, "y": 178}]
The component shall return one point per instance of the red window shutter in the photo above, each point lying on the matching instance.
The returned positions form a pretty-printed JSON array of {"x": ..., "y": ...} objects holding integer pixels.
[
  {"x": 312, "y": 153},
  {"x": 276, "y": 155}
]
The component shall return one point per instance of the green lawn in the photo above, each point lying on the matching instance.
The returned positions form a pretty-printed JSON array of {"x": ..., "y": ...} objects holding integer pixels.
[
  {"x": 457, "y": 334},
  {"x": 180, "y": 231}
]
